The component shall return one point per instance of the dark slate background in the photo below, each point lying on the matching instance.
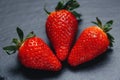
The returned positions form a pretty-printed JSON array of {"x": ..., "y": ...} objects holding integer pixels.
[{"x": 30, "y": 16}]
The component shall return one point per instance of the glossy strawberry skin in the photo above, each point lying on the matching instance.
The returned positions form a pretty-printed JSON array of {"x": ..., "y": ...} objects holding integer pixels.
[
  {"x": 61, "y": 28},
  {"x": 35, "y": 54},
  {"x": 91, "y": 43}
]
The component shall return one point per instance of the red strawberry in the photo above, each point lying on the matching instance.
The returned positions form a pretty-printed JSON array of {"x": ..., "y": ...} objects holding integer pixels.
[
  {"x": 92, "y": 42},
  {"x": 61, "y": 27},
  {"x": 34, "y": 53}
]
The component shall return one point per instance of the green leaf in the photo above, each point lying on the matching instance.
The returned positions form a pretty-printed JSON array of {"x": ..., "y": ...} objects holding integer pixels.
[
  {"x": 94, "y": 23},
  {"x": 71, "y": 4},
  {"x": 46, "y": 10},
  {"x": 76, "y": 14},
  {"x": 99, "y": 22},
  {"x": 10, "y": 49},
  {"x": 109, "y": 23},
  {"x": 31, "y": 34},
  {"x": 111, "y": 38},
  {"x": 106, "y": 29},
  {"x": 59, "y": 5},
  {"x": 74, "y": 5},
  {"x": 15, "y": 41},
  {"x": 20, "y": 34}
]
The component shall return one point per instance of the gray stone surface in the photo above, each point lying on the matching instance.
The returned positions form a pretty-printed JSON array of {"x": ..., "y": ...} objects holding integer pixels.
[{"x": 30, "y": 16}]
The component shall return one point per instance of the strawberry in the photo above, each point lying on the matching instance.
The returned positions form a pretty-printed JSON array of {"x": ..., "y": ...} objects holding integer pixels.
[
  {"x": 92, "y": 42},
  {"x": 62, "y": 26},
  {"x": 34, "y": 53}
]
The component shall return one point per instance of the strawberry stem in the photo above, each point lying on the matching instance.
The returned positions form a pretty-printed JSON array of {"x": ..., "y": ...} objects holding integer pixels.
[
  {"x": 17, "y": 42},
  {"x": 106, "y": 28}
]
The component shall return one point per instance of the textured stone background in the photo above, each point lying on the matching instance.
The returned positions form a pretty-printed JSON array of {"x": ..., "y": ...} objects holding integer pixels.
[{"x": 30, "y": 16}]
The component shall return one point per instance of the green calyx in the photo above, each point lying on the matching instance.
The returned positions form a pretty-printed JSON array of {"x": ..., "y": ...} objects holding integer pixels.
[
  {"x": 69, "y": 5},
  {"x": 17, "y": 42},
  {"x": 106, "y": 28}
]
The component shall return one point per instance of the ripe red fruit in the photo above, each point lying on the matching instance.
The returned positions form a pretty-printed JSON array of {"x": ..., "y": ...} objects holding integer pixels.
[
  {"x": 92, "y": 42},
  {"x": 61, "y": 27},
  {"x": 34, "y": 53}
]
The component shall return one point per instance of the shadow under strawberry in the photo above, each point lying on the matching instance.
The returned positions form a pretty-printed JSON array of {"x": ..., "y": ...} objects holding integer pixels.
[
  {"x": 93, "y": 64},
  {"x": 38, "y": 74},
  {"x": 33, "y": 74},
  {"x": 3, "y": 77}
]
